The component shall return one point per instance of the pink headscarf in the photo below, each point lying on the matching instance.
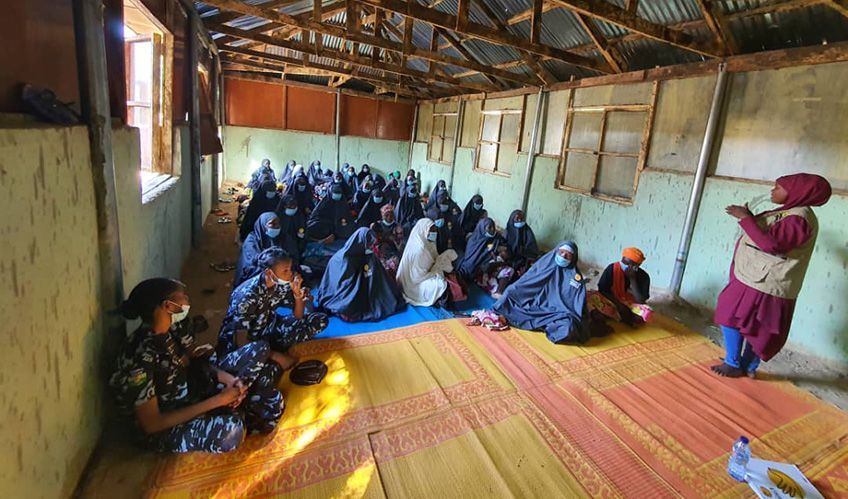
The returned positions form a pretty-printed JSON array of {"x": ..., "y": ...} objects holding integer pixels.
[{"x": 804, "y": 189}]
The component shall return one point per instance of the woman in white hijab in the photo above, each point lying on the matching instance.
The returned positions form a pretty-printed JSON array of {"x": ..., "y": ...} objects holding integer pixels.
[{"x": 421, "y": 273}]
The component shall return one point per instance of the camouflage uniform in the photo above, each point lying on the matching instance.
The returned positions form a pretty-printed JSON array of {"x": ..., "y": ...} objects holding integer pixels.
[
  {"x": 253, "y": 307},
  {"x": 171, "y": 368}
]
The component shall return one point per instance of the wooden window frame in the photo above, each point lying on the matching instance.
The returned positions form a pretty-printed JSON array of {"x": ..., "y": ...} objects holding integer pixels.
[
  {"x": 441, "y": 157},
  {"x": 498, "y": 143},
  {"x": 641, "y": 156}
]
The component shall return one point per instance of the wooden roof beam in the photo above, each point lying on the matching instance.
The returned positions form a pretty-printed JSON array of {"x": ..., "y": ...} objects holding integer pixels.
[
  {"x": 607, "y": 50},
  {"x": 448, "y": 21},
  {"x": 462, "y": 51},
  {"x": 711, "y": 10}
]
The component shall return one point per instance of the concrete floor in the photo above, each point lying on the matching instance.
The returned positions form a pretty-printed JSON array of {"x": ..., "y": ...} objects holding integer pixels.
[{"x": 120, "y": 470}]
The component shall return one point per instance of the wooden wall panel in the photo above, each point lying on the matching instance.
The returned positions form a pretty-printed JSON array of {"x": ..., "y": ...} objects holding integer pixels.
[
  {"x": 359, "y": 116},
  {"x": 177, "y": 22},
  {"x": 113, "y": 26},
  {"x": 394, "y": 120},
  {"x": 254, "y": 103},
  {"x": 38, "y": 48},
  {"x": 310, "y": 110}
]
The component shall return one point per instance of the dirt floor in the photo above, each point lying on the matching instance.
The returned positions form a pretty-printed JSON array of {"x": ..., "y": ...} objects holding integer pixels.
[{"x": 119, "y": 469}]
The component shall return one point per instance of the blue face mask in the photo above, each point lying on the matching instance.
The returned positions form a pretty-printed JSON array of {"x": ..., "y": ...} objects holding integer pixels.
[
  {"x": 440, "y": 223},
  {"x": 270, "y": 195},
  {"x": 366, "y": 189},
  {"x": 519, "y": 225},
  {"x": 444, "y": 207},
  {"x": 388, "y": 224},
  {"x": 272, "y": 233},
  {"x": 337, "y": 181},
  {"x": 291, "y": 211},
  {"x": 478, "y": 206},
  {"x": 336, "y": 196},
  {"x": 410, "y": 182},
  {"x": 490, "y": 235},
  {"x": 562, "y": 262},
  {"x": 411, "y": 195},
  {"x": 378, "y": 199},
  {"x": 369, "y": 251},
  {"x": 301, "y": 188},
  {"x": 431, "y": 236},
  {"x": 351, "y": 173}
]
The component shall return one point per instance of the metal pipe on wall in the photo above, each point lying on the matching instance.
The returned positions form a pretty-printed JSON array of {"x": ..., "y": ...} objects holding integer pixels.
[
  {"x": 94, "y": 93},
  {"x": 338, "y": 136},
  {"x": 456, "y": 138},
  {"x": 194, "y": 128},
  {"x": 700, "y": 178},
  {"x": 412, "y": 137},
  {"x": 531, "y": 155}
]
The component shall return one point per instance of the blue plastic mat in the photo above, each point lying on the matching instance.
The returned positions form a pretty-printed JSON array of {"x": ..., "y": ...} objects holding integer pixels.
[{"x": 477, "y": 300}]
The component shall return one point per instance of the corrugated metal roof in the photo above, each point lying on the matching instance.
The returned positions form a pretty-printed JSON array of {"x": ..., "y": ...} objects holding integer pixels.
[{"x": 560, "y": 28}]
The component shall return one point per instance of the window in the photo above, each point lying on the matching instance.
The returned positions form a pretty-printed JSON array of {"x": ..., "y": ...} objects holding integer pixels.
[
  {"x": 604, "y": 150},
  {"x": 442, "y": 137},
  {"x": 498, "y": 144},
  {"x": 147, "y": 50}
]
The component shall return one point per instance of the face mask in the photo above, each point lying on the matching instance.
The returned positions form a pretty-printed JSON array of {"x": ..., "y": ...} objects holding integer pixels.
[
  {"x": 337, "y": 181},
  {"x": 519, "y": 225},
  {"x": 177, "y": 317},
  {"x": 301, "y": 188},
  {"x": 478, "y": 206},
  {"x": 378, "y": 199},
  {"x": 351, "y": 173},
  {"x": 410, "y": 182},
  {"x": 388, "y": 224},
  {"x": 440, "y": 223},
  {"x": 366, "y": 189},
  {"x": 490, "y": 234},
  {"x": 276, "y": 280},
  {"x": 444, "y": 207},
  {"x": 270, "y": 195},
  {"x": 336, "y": 196},
  {"x": 369, "y": 252},
  {"x": 272, "y": 233},
  {"x": 291, "y": 211},
  {"x": 431, "y": 236},
  {"x": 411, "y": 195},
  {"x": 562, "y": 262}
]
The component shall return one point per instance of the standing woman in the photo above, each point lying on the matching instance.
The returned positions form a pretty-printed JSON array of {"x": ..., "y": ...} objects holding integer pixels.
[
  {"x": 266, "y": 234},
  {"x": 767, "y": 273},
  {"x": 158, "y": 360},
  {"x": 521, "y": 241}
]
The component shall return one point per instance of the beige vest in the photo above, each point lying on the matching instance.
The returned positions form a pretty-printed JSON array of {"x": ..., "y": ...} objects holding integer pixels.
[{"x": 776, "y": 275}]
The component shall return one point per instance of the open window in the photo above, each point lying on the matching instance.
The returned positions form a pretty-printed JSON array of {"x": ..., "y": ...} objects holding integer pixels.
[{"x": 148, "y": 49}]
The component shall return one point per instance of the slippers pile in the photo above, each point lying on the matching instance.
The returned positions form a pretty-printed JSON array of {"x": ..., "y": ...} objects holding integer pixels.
[
  {"x": 225, "y": 200},
  {"x": 224, "y": 220}
]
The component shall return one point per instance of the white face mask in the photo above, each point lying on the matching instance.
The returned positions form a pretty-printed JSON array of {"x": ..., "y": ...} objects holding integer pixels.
[
  {"x": 277, "y": 280},
  {"x": 179, "y": 316}
]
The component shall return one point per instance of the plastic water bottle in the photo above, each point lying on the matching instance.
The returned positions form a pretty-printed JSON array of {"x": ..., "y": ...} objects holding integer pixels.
[{"x": 739, "y": 457}]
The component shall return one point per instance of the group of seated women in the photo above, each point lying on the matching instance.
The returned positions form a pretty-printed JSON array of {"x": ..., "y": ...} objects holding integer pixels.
[{"x": 397, "y": 248}]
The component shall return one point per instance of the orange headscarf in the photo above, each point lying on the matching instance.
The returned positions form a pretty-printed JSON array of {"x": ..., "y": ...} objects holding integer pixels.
[
  {"x": 635, "y": 255},
  {"x": 619, "y": 290}
]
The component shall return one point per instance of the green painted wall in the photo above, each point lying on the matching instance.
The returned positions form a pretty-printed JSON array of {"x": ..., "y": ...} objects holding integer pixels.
[{"x": 245, "y": 147}]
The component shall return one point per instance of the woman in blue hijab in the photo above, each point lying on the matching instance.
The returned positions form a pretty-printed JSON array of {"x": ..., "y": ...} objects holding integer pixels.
[
  {"x": 550, "y": 297},
  {"x": 286, "y": 176},
  {"x": 471, "y": 215},
  {"x": 355, "y": 286},
  {"x": 264, "y": 170},
  {"x": 362, "y": 195},
  {"x": 314, "y": 174},
  {"x": 410, "y": 182},
  {"x": 521, "y": 241},
  {"x": 293, "y": 228},
  {"x": 440, "y": 187},
  {"x": 265, "y": 199},
  {"x": 364, "y": 173},
  {"x": 481, "y": 249},
  {"x": 378, "y": 181},
  {"x": 392, "y": 191},
  {"x": 370, "y": 212},
  {"x": 266, "y": 234},
  {"x": 409, "y": 209},
  {"x": 303, "y": 192},
  {"x": 331, "y": 217},
  {"x": 350, "y": 177}
]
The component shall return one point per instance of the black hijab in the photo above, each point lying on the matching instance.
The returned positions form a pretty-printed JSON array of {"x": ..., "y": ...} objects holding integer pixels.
[
  {"x": 255, "y": 243},
  {"x": 265, "y": 199},
  {"x": 440, "y": 187},
  {"x": 405, "y": 185},
  {"x": 355, "y": 285},
  {"x": 392, "y": 191},
  {"x": 470, "y": 215},
  {"x": 521, "y": 241},
  {"x": 350, "y": 178},
  {"x": 409, "y": 210},
  {"x": 370, "y": 212},
  {"x": 378, "y": 181},
  {"x": 331, "y": 216},
  {"x": 338, "y": 179},
  {"x": 264, "y": 170},
  {"x": 480, "y": 249},
  {"x": 305, "y": 198},
  {"x": 286, "y": 177},
  {"x": 548, "y": 298},
  {"x": 314, "y": 175},
  {"x": 361, "y": 197},
  {"x": 293, "y": 228},
  {"x": 364, "y": 172}
]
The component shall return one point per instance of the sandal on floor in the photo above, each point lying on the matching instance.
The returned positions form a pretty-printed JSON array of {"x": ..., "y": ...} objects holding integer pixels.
[
  {"x": 224, "y": 220},
  {"x": 225, "y": 200},
  {"x": 310, "y": 372},
  {"x": 218, "y": 213}
]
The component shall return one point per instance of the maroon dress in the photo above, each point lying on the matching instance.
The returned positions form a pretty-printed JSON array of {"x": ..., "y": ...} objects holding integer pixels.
[{"x": 763, "y": 319}]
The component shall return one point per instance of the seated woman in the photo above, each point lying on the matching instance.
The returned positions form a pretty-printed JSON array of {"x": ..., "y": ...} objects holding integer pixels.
[
  {"x": 292, "y": 228},
  {"x": 521, "y": 241},
  {"x": 314, "y": 174},
  {"x": 378, "y": 181},
  {"x": 355, "y": 286},
  {"x": 445, "y": 214},
  {"x": 264, "y": 200},
  {"x": 364, "y": 173},
  {"x": 350, "y": 178},
  {"x": 390, "y": 242},
  {"x": 470, "y": 217},
  {"x": 408, "y": 183},
  {"x": 550, "y": 297},
  {"x": 156, "y": 363},
  {"x": 303, "y": 192},
  {"x": 392, "y": 191},
  {"x": 440, "y": 187},
  {"x": 288, "y": 171},
  {"x": 371, "y": 211},
  {"x": 362, "y": 195},
  {"x": 486, "y": 259},
  {"x": 331, "y": 219},
  {"x": 252, "y": 315},
  {"x": 421, "y": 273},
  {"x": 409, "y": 209},
  {"x": 264, "y": 170},
  {"x": 266, "y": 233},
  {"x": 622, "y": 291},
  {"x": 338, "y": 179}
]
